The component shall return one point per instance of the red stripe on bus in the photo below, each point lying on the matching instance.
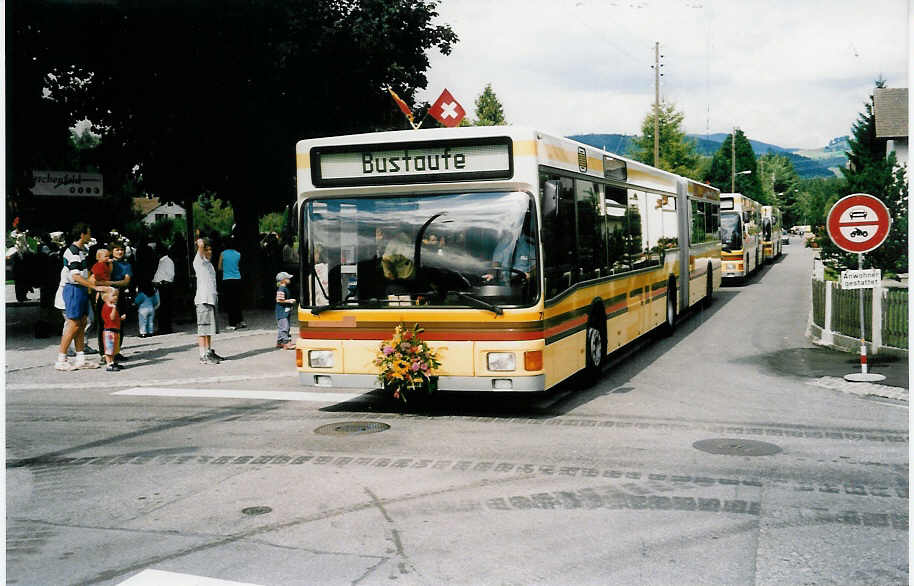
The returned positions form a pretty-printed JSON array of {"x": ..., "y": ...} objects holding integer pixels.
[{"x": 566, "y": 325}]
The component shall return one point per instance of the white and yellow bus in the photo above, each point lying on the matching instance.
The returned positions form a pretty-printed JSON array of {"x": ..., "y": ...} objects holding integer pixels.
[
  {"x": 525, "y": 257},
  {"x": 772, "y": 228},
  {"x": 740, "y": 235}
]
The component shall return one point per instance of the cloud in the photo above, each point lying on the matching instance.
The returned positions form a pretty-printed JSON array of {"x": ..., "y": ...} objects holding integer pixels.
[{"x": 786, "y": 72}]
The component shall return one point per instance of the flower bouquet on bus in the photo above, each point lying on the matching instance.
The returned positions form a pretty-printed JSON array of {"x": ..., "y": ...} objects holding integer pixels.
[{"x": 406, "y": 364}]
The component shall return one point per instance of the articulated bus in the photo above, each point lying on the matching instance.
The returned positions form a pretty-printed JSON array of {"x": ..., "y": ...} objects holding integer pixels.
[
  {"x": 772, "y": 228},
  {"x": 740, "y": 218},
  {"x": 525, "y": 257}
]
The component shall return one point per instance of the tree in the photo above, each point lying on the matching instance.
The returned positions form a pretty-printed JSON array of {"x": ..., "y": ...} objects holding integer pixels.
[
  {"x": 779, "y": 182},
  {"x": 812, "y": 201},
  {"x": 721, "y": 171},
  {"x": 871, "y": 171},
  {"x": 271, "y": 222},
  {"x": 212, "y": 214},
  {"x": 220, "y": 104},
  {"x": 677, "y": 153},
  {"x": 489, "y": 111}
]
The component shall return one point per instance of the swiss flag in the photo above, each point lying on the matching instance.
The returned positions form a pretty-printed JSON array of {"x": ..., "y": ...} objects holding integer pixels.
[{"x": 447, "y": 110}]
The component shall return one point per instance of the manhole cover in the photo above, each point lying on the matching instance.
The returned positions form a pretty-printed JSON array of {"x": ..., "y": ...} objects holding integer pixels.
[
  {"x": 256, "y": 510},
  {"x": 352, "y": 428},
  {"x": 736, "y": 447}
]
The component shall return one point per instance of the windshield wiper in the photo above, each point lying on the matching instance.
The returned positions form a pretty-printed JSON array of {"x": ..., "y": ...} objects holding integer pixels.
[{"x": 478, "y": 302}]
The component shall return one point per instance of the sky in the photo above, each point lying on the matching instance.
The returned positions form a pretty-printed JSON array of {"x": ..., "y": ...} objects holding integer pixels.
[{"x": 795, "y": 73}]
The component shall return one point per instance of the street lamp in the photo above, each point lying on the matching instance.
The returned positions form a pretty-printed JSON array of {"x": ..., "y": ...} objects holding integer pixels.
[{"x": 733, "y": 179}]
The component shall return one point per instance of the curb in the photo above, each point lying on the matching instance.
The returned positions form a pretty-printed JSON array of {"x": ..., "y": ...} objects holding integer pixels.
[{"x": 861, "y": 389}]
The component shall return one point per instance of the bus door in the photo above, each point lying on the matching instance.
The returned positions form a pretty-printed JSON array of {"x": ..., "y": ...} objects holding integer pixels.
[{"x": 686, "y": 261}]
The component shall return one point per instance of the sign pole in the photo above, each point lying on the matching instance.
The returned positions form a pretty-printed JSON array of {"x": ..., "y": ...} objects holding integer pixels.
[
  {"x": 859, "y": 223},
  {"x": 862, "y": 333}
]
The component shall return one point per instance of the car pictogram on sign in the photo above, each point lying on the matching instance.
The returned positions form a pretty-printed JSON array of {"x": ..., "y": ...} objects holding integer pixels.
[{"x": 858, "y": 214}]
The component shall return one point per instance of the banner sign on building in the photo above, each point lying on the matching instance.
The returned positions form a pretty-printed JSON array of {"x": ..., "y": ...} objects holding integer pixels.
[{"x": 67, "y": 183}]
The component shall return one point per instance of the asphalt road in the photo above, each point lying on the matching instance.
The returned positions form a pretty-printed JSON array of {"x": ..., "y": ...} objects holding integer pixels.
[{"x": 724, "y": 454}]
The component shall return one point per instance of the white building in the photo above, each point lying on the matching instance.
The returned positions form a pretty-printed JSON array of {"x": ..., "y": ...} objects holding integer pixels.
[{"x": 153, "y": 210}]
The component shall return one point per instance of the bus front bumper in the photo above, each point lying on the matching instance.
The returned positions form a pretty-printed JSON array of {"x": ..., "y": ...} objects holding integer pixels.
[{"x": 445, "y": 383}]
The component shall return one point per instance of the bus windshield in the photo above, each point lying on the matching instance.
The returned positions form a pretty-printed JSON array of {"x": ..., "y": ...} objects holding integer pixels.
[
  {"x": 454, "y": 249},
  {"x": 731, "y": 232}
]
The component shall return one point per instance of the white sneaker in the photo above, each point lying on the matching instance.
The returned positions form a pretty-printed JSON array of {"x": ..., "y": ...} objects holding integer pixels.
[{"x": 64, "y": 365}]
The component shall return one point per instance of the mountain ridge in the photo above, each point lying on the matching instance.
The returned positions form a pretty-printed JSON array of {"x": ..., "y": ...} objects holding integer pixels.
[{"x": 808, "y": 163}]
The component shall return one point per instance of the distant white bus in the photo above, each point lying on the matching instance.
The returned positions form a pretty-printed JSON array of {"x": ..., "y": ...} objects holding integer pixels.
[
  {"x": 741, "y": 245},
  {"x": 772, "y": 228}
]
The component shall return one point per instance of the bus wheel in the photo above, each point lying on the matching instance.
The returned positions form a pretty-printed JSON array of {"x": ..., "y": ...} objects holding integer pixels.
[
  {"x": 670, "y": 324},
  {"x": 710, "y": 288},
  {"x": 595, "y": 351}
]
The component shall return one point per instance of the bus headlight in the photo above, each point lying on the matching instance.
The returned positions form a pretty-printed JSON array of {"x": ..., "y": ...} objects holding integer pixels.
[
  {"x": 320, "y": 358},
  {"x": 501, "y": 361}
]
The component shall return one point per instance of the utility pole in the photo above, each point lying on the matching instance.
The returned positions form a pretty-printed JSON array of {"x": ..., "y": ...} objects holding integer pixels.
[
  {"x": 733, "y": 161},
  {"x": 656, "y": 104}
]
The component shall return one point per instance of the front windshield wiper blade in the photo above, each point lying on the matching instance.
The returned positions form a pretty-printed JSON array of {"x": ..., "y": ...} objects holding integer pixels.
[{"x": 478, "y": 302}]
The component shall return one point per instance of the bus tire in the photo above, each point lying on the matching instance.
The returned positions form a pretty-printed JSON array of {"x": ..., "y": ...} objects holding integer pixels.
[
  {"x": 669, "y": 324},
  {"x": 594, "y": 349},
  {"x": 709, "y": 293}
]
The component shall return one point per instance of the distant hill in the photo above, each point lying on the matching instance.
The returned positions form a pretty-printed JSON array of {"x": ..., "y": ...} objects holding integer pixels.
[{"x": 812, "y": 163}]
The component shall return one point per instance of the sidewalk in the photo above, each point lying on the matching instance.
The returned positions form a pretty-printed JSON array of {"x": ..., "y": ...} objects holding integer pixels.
[{"x": 249, "y": 351}]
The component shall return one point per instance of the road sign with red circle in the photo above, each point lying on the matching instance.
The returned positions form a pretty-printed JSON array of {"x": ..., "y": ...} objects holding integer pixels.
[{"x": 858, "y": 223}]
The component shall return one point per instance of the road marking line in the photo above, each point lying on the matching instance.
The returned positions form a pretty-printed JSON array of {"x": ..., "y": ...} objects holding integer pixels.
[
  {"x": 158, "y": 577},
  {"x": 96, "y": 384},
  {"x": 239, "y": 394}
]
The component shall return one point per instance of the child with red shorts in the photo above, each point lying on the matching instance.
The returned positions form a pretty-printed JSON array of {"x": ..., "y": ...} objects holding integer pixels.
[
  {"x": 111, "y": 318},
  {"x": 101, "y": 270}
]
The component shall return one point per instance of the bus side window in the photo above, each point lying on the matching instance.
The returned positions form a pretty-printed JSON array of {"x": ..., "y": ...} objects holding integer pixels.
[
  {"x": 616, "y": 228},
  {"x": 559, "y": 238},
  {"x": 698, "y": 231},
  {"x": 713, "y": 219},
  {"x": 590, "y": 249}
]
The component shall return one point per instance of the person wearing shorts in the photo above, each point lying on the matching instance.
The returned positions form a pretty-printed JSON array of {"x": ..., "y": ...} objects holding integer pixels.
[
  {"x": 111, "y": 334},
  {"x": 77, "y": 284},
  {"x": 205, "y": 302}
]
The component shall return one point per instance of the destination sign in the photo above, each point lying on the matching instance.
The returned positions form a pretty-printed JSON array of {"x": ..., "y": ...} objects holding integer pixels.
[{"x": 412, "y": 162}]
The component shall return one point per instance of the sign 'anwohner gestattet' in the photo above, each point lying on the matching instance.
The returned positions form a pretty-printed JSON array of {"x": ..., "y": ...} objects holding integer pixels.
[{"x": 411, "y": 163}]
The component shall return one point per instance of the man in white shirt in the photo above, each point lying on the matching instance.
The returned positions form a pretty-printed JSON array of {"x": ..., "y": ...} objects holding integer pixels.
[
  {"x": 164, "y": 279},
  {"x": 75, "y": 293},
  {"x": 205, "y": 300}
]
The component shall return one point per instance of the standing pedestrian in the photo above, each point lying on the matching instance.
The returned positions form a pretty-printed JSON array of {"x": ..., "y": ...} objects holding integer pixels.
[
  {"x": 121, "y": 278},
  {"x": 205, "y": 301},
  {"x": 76, "y": 300},
  {"x": 230, "y": 267},
  {"x": 111, "y": 321},
  {"x": 101, "y": 270},
  {"x": 284, "y": 304},
  {"x": 163, "y": 280},
  {"x": 147, "y": 301}
]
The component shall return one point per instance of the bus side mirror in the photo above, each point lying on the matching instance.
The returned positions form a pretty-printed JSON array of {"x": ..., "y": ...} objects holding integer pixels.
[
  {"x": 747, "y": 216},
  {"x": 550, "y": 199}
]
